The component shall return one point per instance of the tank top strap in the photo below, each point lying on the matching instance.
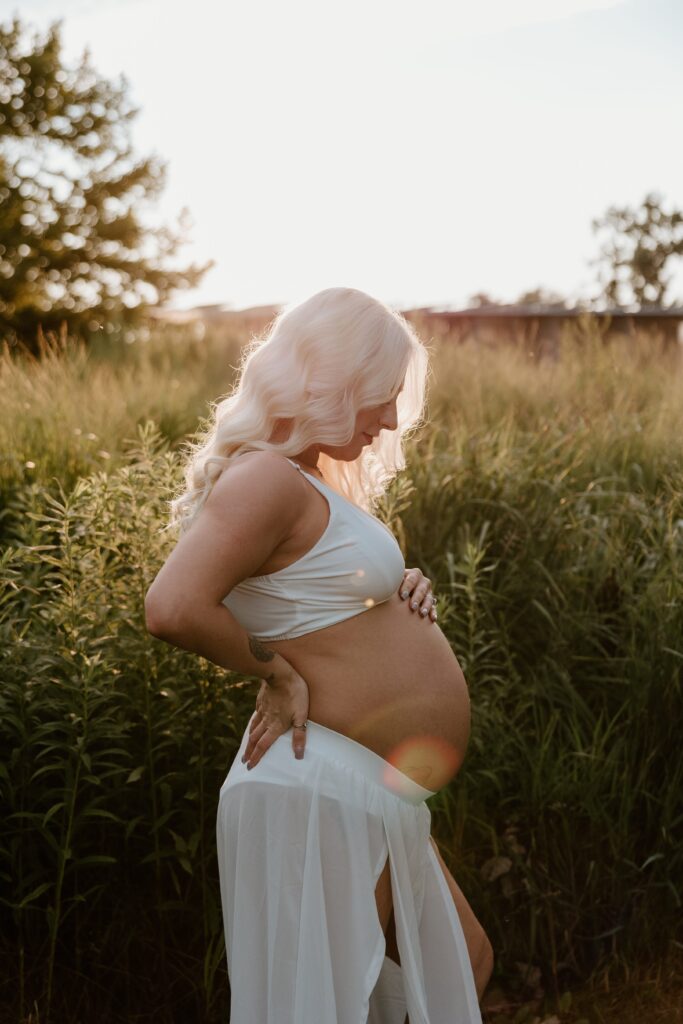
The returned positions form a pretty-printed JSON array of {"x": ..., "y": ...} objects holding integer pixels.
[{"x": 305, "y": 472}]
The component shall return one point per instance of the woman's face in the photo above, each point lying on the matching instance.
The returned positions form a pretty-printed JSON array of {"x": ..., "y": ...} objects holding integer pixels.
[{"x": 368, "y": 424}]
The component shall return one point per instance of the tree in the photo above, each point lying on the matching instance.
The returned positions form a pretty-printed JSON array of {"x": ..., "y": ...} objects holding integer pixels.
[
  {"x": 542, "y": 297},
  {"x": 73, "y": 245},
  {"x": 480, "y": 299},
  {"x": 637, "y": 250}
]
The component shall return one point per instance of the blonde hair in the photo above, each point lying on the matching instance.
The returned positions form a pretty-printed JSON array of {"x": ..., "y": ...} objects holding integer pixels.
[{"x": 317, "y": 364}]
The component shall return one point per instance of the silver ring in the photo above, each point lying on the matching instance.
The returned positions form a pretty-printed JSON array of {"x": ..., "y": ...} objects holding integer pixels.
[{"x": 304, "y": 726}]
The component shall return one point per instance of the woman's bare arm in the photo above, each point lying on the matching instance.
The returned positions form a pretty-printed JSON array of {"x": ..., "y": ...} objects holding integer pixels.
[{"x": 251, "y": 509}]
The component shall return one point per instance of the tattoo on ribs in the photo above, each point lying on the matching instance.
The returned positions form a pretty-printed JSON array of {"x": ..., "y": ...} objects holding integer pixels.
[{"x": 260, "y": 652}]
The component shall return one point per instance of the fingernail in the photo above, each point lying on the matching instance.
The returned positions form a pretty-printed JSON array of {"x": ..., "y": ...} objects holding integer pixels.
[
  {"x": 243, "y": 760},
  {"x": 249, "y": 767},
  {"x": 423, "y": 611},
  {"x": 413, "y": 605},
  {"x": 404, "y": 594},
  {"x": 299, "y": 756}
]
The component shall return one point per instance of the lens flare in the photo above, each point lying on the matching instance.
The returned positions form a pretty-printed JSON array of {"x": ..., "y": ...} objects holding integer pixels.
[{"x": 427, "y": 759}]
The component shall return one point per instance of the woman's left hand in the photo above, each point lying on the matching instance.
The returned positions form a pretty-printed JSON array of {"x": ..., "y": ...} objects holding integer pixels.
[{"x": 419, "y": 589}]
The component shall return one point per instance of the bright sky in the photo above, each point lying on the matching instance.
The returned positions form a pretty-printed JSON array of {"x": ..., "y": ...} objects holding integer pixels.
[{"x": 421, "y": 151}]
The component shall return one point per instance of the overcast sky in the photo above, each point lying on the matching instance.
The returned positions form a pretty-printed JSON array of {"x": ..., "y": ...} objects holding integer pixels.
[{"x": 419, "y": 151}]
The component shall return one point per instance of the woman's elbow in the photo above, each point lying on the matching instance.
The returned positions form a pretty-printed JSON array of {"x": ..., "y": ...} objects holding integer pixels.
[
  {"x": 158, "y": 619},
  {"x": 154, "y": 626}
]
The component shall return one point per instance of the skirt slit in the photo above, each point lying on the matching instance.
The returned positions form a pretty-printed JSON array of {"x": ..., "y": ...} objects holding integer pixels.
[{"x": 301, "y": 846}]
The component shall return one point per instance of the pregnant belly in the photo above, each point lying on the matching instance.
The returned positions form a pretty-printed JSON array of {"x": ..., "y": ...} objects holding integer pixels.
[{"x": 388, "y": 679}]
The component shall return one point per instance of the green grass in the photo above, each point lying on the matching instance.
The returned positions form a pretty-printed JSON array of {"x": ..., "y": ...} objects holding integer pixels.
[
  {"x": 75, "y": 411},
  {"x": 545, "y": 502}
]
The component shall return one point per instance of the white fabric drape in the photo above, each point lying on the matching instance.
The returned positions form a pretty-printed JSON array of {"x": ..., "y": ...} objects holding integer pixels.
[{"x": 301, "y": 845}]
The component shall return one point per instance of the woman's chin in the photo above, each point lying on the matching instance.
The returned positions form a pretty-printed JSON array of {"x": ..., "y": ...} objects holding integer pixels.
[{"x": 350, "y": 451}]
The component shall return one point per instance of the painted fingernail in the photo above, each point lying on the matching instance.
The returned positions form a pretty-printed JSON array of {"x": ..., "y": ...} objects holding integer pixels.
[
  {"x": 423, "y": 611},
  {"x": 404, "y": 594},
  {"x": 413, "y": 605}
]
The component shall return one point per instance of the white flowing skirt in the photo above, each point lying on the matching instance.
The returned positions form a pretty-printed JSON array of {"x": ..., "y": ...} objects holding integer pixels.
[{"x": 301, "y": 846}]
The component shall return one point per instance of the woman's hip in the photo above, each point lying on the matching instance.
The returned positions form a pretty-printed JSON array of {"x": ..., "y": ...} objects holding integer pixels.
[{"x": 333, "y": 764}]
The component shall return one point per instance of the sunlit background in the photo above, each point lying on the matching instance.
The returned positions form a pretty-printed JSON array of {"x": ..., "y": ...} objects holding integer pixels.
[{"x": 422, "y": 152}]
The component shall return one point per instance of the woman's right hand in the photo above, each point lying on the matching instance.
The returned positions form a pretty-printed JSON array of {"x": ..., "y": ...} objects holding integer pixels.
[{"x": 280, "y": 704}]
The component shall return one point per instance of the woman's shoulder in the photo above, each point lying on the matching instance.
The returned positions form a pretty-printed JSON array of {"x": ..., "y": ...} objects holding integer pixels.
[
  {"x": 264, "y": 461},
  {"x": 267, "y": 476}
]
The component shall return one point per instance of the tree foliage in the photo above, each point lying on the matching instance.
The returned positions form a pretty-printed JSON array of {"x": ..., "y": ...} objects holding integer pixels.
[
  {"x": 636, "y": 250},
  {"x": 545, "y": 297},
  {"x": 74, "y": 246},
  {"x": 480, "y": 299}
]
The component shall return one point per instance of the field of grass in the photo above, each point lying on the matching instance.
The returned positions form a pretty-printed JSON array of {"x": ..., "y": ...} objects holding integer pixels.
[{"x": 544, "y": 499}]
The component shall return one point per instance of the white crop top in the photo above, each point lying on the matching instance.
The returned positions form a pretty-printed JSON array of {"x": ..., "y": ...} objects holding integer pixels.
[{"x": 354, "y": 565}]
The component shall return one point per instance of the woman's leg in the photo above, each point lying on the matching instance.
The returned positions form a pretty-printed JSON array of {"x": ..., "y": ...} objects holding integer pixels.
[
  {"x": 385, "y": 910},
  {"x": 478, "y": 946}
]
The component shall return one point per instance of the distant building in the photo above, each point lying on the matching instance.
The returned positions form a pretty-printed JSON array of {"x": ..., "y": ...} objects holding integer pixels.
[{"x": 539, "y": 328}]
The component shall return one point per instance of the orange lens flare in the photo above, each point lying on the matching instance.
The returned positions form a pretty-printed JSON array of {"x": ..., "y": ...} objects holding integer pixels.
[{"x": 428, "y": 760}]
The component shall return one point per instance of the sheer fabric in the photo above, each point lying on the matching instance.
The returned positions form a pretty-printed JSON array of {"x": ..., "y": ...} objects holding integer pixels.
[{"x": 301, "y": 845}]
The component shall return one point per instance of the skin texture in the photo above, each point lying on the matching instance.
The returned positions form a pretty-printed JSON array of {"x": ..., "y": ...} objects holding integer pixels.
[{"x": 260, "y": 652}]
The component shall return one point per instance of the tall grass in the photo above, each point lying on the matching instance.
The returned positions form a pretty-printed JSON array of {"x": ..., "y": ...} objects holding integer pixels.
[
  {"x": 545, "y": 502},
  {"x": 116, "y": 747},
  {"x": 70, "y": 411}
]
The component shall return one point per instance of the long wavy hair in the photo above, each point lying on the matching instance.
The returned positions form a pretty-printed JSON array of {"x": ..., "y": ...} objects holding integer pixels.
[{"x": 317, "y": 364}]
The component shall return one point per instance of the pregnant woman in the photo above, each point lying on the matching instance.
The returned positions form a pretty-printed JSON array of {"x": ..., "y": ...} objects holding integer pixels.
[{"x": 337, "y": 906}]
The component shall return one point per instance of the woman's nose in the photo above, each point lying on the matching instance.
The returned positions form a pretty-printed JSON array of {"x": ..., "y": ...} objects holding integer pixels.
[{"x": 389, "y": 419}]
